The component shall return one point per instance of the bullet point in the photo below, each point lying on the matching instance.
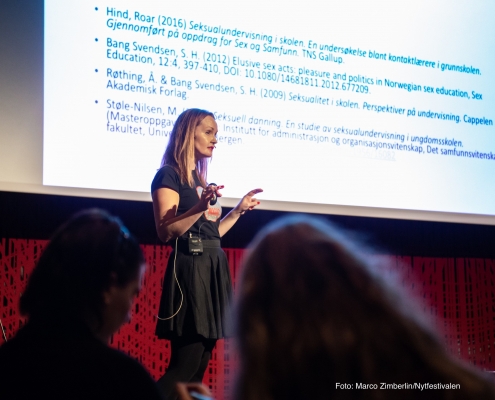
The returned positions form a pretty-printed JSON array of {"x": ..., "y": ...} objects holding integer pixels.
[
  {"x": 96, "y": 8},
  {"x": 96, "y": 70},
  {"x": 96, "y": 39},
  {"x": 96, "y": 101}
]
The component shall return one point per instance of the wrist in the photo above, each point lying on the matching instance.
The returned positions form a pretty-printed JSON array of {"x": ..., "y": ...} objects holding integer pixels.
[
  {"x": 237, "y": 212},
  {"x": 201, "y": 207}
]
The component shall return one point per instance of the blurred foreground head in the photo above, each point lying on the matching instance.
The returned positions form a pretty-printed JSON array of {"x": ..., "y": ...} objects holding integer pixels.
[
  {"x": 90, "y": 271},
  {"x": 312, "y": 312}
]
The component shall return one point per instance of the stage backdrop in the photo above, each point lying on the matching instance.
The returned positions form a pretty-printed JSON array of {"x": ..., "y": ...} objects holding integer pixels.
[{"x": 458, "y": 294}]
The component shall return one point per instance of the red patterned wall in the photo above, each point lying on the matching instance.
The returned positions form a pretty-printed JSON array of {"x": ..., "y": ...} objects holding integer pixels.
[{"x": 457, "y": 294}]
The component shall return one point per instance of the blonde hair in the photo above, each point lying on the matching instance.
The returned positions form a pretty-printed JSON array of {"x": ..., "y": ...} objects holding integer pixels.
[{"x": 180, "y": 147}]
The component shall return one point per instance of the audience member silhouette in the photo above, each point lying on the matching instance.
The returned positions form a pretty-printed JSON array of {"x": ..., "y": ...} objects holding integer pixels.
[
  {"x": 314, "y": 320},
  {"x": 80, "y": 292}
]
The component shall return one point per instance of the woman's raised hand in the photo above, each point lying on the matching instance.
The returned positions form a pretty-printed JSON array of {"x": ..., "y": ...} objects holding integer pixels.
[
  {"x": 248, "y": 202},
  {"x": 211, "y": 192}
]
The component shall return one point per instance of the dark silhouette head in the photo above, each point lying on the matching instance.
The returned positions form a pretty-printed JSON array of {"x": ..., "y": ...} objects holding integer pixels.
[
  {"x": 312, "y": 312},
  {"x": 87, "y": 256}
]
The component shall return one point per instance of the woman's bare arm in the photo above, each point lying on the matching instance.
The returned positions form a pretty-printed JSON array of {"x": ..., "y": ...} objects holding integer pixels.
[
  {"x": 165, "y": 203},
  {"x": 247, "y": 203}
]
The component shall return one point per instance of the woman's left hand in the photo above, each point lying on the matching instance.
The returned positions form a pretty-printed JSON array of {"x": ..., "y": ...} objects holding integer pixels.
[{"x": 248, "y": 202}]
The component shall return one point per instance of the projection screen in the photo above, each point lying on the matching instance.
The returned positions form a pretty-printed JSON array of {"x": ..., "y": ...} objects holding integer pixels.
[{"x": 374, "y": 108}]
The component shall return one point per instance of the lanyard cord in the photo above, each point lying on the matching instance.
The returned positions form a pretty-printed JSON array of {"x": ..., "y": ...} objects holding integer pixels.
[
  {"x": 180, "y": 289},
  {"x": 199, "y": 230},
  {"x": 177, "y": 280},
  {"x": 3, "y": 331}
]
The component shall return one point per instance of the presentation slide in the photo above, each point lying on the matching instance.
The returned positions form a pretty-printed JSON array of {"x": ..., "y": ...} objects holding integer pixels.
[{"x": 379, "y": 104}]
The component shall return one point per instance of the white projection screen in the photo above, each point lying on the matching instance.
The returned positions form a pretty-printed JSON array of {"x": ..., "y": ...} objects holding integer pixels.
[{"x": 368, "y": 108}]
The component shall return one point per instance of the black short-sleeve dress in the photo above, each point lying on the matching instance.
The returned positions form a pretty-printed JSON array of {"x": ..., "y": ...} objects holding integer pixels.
[{"x": 204, "y": 279}]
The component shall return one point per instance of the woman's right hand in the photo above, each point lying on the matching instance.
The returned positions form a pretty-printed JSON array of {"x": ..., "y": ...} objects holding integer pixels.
[{"x": 208, "y": 194}]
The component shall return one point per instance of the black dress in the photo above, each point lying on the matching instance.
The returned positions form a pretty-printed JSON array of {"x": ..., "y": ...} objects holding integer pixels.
[{"x": 204, "y": 279}]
